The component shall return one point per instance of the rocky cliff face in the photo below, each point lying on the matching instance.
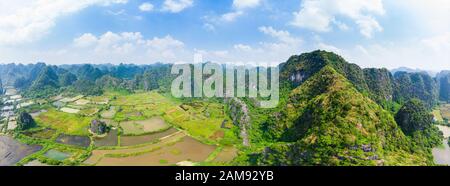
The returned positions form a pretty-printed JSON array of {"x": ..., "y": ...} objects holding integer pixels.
[
  {"x": 379, "y": 84},
  {"x": 327, "y": 121},
  {"x": 239, "y": 113},
  {"x": 443, "y": 79},
  {"x": 415, "y": 85}
]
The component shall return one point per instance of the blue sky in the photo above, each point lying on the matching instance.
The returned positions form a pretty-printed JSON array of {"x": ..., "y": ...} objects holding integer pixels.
[{"x": 371, "y": 33}]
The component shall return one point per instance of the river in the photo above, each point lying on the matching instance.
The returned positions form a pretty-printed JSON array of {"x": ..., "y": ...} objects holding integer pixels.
[{"x": 442, "y": 153}]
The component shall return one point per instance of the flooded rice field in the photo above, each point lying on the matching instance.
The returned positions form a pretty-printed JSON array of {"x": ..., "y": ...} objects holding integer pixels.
[
  {"x": 109, "y": 140},
  {"x": 82, "y": 141},
  {"x": 99, "y": 154},
  {"x": 57, "y": 155},
  {"x": 136, "y": 140},
  {"x": 12, "y": 151},
  {"x": 187, "y": 149},
  {"x": 145, "y": 126}
]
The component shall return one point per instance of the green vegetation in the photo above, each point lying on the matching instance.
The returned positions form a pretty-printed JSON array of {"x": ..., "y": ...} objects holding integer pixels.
[
  {"x": 443, "y": 79},
  {"x": 326, "y": 121},
  {"x": 330, "y": 112},
  {"x": 417, "y": 122},
  {"x": 416, "y": 85},
  {"x": 25, "y": 121},
  {"x": 437, "y": 115},
  {"x": 67, "y": 123}
]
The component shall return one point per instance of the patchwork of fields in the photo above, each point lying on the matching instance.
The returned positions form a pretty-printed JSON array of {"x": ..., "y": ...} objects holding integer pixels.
[
  {"x": 445, "y": 111},
  {"x": 442, "y": 114},
  {"x": 144, "y": 128}
]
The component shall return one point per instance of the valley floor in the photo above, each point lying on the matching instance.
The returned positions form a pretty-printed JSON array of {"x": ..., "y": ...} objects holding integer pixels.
[{"x": 145, "y": 128}]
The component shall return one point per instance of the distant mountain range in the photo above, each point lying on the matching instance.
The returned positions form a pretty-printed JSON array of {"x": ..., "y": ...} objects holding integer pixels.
[
  {"x": 410, "y": 70},
  {"x": 331, "y": 112}
]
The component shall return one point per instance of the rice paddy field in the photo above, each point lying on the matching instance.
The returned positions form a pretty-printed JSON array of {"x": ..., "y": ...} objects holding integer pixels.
[
  {"x": 142, "y": 139},
  {"x": 169, "y": 151},
  {"x": 12, "y": 151},
  {"x": 80, "y": 141},
  {"x": 110, "y": 140},
  {"x": 57, "y": 155},
  {"x": 437, "y": 115},
  {"x": 445, "y": 111},
  {"x": 109, "y": 114},
  {"x": 145, "y": 128},
  {"x": 41, "y": 134},
  {"x": 99, "y": 154},
  {"x": 151, "y": 125},
  {"x": 226, "y": 154},
  {"x": 64, "y": 122}
]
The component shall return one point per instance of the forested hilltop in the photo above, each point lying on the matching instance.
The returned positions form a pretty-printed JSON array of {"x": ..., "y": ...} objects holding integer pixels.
[
  {"x": 330, "y": 112},
  {"x": 333, "y": 112},
  {"x": 41, "y": 80}
]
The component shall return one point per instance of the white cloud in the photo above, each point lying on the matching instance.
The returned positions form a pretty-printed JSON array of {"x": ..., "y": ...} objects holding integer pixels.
[
  {"x": 121, "y": 12},
  {"x": 176, "y": 6},
  {"x": 439, "y": 43},
  {"x": 128, "y": 47},
  {"x": 209, "y": 27},
  {"x": 231, "y": 16},
  {"x": 239, "y": 8},
  {"x": 327, "y": 47},
  {"x": 24, "y": 21},
  {"x": 368, "y": 25},
  {"x": 319, "y": 15},
  {"x": 342, "y": 26},
  {"x": 85, "y": 40},
  {"x": 432, "y": 15},
  {"x": 146, "y": 7},
  {"x": 242, "y": 47},
  {"x": 272, "y": 53},
  {"x": 413, "y": 54},
  {"x": 281, "y": 35},
  {"x": 242, "y": 4}
]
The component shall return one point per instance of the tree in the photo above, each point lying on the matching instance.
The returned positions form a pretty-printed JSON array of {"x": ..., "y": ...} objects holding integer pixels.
[
  {"x": 25, "y": 121},
  {"x": 413, "y": 116},
  {"x": 416, "y": 121},
  {"x": 98, "y": 127}
]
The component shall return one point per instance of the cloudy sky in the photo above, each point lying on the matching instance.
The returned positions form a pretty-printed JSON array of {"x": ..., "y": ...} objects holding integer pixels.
[{"x": 371, "y": 33}]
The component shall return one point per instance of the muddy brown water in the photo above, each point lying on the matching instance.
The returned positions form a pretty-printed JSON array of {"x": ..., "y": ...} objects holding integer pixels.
[
  {"x": 109, "y": 140},
  {"x": 188, "y": 149},
  {"x": 98, "y": 154},
  {"x": 82, "y": 141},
  {"x": 442, "y": 154},
  {"x": 136, "y": 140},
  {"x": 12, "y": 151}
]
